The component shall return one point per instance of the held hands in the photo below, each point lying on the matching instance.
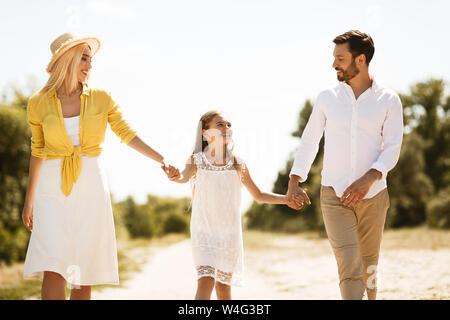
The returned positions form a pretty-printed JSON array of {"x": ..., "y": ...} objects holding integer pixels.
[
  {"x": 172, "y": 173},
  {"x": 296, "y": 196}
]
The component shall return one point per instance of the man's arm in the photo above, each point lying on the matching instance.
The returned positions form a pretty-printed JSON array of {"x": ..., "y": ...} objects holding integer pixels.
[
  {"x": 392, "y": 138},
  {"x": 305, "y": 155},
  {"x": 309, "y": 143}
]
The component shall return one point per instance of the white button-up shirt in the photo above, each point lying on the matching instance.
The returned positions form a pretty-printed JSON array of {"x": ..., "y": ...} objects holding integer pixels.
[{"x": 360, "y": 134}]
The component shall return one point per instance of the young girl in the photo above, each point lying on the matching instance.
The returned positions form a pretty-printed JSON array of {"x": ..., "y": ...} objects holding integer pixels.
[{"x": 216, "y": 231}]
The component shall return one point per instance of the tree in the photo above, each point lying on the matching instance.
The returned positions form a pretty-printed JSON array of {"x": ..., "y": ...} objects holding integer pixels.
[
  {"x": 14, "y": 159},
  {"x": 418, "y": 185},
  {"x": 427, "y": 113},
  {"x": 409, "y": 186},
  {"x": 280, "y": 217}
]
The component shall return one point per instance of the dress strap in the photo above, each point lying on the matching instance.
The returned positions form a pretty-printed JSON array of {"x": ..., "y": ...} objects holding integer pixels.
[{"x": 197, "y": 159}]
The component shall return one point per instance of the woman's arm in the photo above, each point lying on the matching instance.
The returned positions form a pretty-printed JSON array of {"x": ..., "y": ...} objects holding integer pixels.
[
  {"x": 264, "y": 197},
  {"x": 27, "y": 212},
  {"x": 137, "y": 144}
]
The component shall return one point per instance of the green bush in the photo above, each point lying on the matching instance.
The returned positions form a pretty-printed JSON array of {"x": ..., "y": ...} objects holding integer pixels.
[
  {"x": 408, "y": 185},
  {"x": 13, "y": 244},
  {"x": 266, "y": 217},
  {"x": 175, "y": 223},
  {"x": 137, "y": 220},
  {"x": 438, "y": 210},
  {"x": 119, "y": 223},
  {"x": 155, "y": 218},
  {"x": 14, "y": 159}
]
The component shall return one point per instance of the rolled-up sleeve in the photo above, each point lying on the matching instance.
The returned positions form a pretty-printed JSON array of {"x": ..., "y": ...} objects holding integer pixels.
[
  {"x": 309, "y": 143},
  {"x": 392, "y": 138},
  {"x": 119, "y": 125},
  {"x": 37, "y": 134}
]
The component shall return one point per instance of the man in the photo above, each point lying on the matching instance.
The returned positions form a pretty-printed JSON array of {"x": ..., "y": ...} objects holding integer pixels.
[{"x": 363, "y": 125}]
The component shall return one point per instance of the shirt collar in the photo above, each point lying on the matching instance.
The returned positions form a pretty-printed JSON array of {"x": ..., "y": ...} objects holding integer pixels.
[
  {"x": 85, "y": 91},
  {"x": 375, "y": 86},
  {"x": 373, "y": 89}
]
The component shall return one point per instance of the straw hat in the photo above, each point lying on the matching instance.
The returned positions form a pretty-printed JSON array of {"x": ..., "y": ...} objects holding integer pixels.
[{"x": 69, "y": 40}]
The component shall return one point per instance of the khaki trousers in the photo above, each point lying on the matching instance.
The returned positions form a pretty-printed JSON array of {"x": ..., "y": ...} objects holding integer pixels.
[{"x": 355, "y": 236}]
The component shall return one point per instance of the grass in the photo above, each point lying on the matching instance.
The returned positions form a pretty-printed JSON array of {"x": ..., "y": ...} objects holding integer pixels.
[
  {"x": 132, "y": 253},
  {"x": 22, "y": 291},
  {"x": 407, "y": 238},
  {"x": 416, "y": 238},
  {"x": 262, "y": 240}
]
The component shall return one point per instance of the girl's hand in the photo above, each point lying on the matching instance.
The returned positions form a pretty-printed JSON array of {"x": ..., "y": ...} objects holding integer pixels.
[
  {"x": 172, "y": 173},
  {"x": 27, "y": 216}
]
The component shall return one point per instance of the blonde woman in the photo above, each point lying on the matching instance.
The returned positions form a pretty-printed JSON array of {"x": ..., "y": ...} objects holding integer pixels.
[{"x": 67, "y": 205}]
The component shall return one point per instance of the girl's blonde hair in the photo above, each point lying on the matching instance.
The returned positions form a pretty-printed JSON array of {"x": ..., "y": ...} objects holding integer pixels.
[
  {"x": 65, "y": 70},
  {"x": 201, "y": 143}
]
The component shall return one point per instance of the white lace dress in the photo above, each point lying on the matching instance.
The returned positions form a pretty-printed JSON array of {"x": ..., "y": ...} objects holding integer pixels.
[{"x": 216, "y": 228}]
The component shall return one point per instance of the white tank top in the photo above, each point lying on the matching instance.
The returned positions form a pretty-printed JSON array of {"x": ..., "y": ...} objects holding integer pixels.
[{"x": 72, "y": 128}]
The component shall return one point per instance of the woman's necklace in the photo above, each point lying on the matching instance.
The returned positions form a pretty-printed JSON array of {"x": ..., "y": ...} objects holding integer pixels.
[{"x": 74, "y": 94}]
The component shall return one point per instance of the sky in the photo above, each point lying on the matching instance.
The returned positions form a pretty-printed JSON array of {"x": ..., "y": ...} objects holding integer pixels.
[{"x": 167, "y": 62}]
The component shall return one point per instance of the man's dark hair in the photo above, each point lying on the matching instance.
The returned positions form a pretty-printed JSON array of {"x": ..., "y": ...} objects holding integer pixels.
[{"x": 358, "y": 43}]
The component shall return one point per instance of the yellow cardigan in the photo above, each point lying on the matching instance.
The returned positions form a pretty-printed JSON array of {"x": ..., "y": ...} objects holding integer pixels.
[{"x": 49, "y": 137}]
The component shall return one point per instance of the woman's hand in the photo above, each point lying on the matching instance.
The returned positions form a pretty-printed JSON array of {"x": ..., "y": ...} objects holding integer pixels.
[
  {"x": 172, "y": 173},
  {"x": 27, "y": 216}
]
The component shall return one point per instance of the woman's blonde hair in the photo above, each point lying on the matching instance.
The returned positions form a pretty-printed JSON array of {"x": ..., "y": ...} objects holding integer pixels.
[{"x": 65, "y": 70}]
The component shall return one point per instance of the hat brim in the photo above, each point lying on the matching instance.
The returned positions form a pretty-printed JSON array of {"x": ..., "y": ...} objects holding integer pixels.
[{"x": 92, "y": 42}]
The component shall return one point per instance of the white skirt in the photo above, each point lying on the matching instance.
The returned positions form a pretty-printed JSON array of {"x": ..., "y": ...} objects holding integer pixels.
[{"x": 73, "y": 236}]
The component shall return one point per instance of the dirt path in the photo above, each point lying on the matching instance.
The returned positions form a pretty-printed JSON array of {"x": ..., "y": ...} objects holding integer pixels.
[
  {"x": 290, "y": 269},
  {"x": 170, "y": 274}
]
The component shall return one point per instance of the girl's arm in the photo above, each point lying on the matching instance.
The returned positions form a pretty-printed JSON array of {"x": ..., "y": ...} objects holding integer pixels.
[
  {"x": 27, "y": 212},
  {"x": 186, "y": 174},
  {"x": 264, "y": 197}
]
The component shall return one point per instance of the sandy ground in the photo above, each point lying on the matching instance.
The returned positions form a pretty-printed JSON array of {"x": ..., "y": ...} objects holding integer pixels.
[
  {"x": 289, "y": 268},
  {"x": 170, "y": 274}
]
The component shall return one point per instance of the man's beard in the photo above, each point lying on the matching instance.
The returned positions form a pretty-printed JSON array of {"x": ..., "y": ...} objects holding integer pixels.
[{"x": 351, "y": 72}]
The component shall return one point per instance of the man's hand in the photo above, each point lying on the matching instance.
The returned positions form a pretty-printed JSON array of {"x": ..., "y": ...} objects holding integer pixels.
[
  {"x": 356, "y": 192},
  {"x": 296, "y": 196}
]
